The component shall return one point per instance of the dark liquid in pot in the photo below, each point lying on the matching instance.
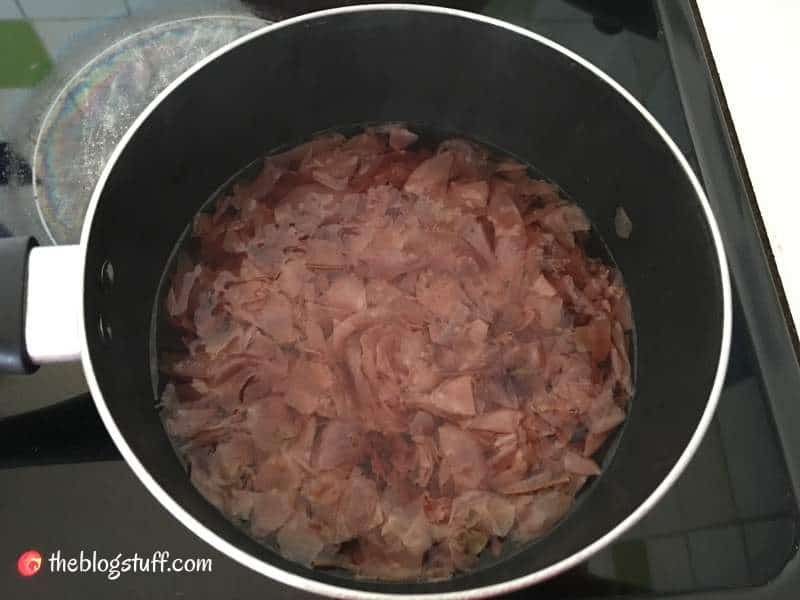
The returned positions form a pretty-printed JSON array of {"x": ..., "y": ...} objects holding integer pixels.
[{"x": 217, "y": 422}]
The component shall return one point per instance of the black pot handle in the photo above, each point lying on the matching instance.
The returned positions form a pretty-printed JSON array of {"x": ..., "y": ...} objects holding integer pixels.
[{"x": 13, "y": 290}]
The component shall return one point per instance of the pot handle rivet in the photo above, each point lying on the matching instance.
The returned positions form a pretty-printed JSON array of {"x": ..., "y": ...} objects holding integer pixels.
[
  {"x": 106, "y": 275},
  {"x": 104, "y": 328}
]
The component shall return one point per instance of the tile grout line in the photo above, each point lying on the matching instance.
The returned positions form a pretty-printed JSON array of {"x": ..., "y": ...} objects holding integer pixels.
[
  {"x": 726, "y": 464},
  {"x": 748, "y": 559},
  {"x": 74, "y": 19},
  {"x": 739, "y": 522},
  {"x": 692, "y": 569},
  {"x": 740, "y": 527},
  {"x": 19, "y": 7}
]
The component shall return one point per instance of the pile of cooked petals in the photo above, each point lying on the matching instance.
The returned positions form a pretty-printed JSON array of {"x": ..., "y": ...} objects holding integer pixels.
[{"x": 393, "y": 358}]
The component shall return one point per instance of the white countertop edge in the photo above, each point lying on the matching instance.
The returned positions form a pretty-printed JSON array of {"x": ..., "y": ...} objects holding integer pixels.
[{"x": 757, "y": 55}]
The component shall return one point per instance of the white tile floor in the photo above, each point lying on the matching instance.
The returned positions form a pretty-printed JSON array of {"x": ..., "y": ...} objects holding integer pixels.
[
  {"x": 665, "y": 518},
  {"x": 11, "y": 102},
  {"x": 713, "y": 568},
  {"x": 602, "y": 565},
  {"x": 674, "y": 572},
  {"x": 705, "y": 497},
  {"x": 56, "y": 35},
  {"x": 764, "y": 540},
  {"x": 9, "y": 10},
  {"x": 756, "y": 471},
  {"x": 74, "y": 9},
  {"x": 49, "y": 384},
  {"x": 138, "y": 7}
]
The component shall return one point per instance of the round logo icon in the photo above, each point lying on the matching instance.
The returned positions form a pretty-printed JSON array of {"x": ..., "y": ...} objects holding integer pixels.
[{"x": 29, "y": 563}]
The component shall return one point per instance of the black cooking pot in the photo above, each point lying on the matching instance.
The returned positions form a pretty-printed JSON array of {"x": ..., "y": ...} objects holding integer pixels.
[{"x": 464, "y": 74}]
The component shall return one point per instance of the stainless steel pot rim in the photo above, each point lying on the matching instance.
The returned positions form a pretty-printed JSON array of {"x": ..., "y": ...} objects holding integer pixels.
[{"x": 489, "y": 590}]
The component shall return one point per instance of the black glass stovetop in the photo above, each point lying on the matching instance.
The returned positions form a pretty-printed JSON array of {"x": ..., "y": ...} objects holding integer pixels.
[{"x": 727, "y": 529}]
